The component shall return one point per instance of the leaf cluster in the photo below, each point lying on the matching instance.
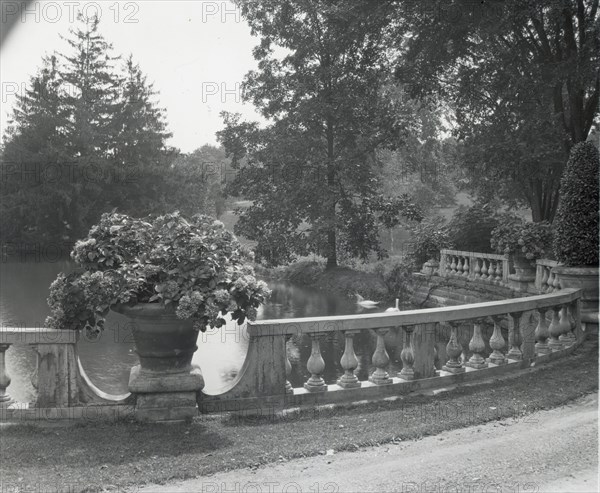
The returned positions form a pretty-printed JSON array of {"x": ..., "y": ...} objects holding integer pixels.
[{"x": 196, "y": 266}]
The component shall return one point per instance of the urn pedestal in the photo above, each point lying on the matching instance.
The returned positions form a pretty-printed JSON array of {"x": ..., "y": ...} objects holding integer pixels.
[
  {"x": 165, "y": 382},
  {"x": 586, "y": 279},
  {"x": 524, "y": 275}
]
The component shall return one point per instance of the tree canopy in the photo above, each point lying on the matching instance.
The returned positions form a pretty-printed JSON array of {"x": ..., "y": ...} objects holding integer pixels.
[
  {"x": 322, "y": 83},
  {"x": 522, "y": 78}
]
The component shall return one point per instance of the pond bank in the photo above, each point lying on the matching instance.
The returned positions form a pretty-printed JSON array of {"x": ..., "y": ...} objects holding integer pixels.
[{"x": 373, "y": 281}]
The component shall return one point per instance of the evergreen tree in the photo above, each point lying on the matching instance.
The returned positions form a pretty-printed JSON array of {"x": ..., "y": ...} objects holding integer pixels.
[
  {"x": 141, "y": 158},
  {"x": 92, "y": 85},
  {"x": 34, "y": 161}
]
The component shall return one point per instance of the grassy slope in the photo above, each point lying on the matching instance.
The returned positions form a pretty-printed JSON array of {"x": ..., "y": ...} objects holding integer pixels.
[{"x": 96, "y": 455}]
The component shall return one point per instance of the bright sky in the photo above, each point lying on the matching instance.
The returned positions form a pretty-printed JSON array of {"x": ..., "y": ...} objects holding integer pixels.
[{"x": 195, "y": 52}]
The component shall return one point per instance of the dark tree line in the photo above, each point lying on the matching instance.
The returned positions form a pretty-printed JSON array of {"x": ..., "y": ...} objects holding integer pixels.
[{"x": 87, "y": 137}]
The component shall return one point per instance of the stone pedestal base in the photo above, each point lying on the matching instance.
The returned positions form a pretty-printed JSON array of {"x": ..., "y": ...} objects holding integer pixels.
[
  {"x": 520, "y": 283},
  {"x": 453, "y": 369},
  {"x": 166, "y": 396},
  {"x": 167, "y": 406}
]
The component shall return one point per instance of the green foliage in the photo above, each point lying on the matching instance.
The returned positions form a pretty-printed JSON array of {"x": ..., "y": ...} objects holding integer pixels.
[
  {"x": 515, "y": 235},
  {"x": 427, "y": 239},
  {"x": 312, "y": 172},
  {"x": 576, "y": 236},
  {"x": 470, "y": 228},
  {"x": 396, "y": 272},
  {"x": 88, "y": 137},
  {"x": 194, "y": 265},
  {"x": 522, "y": 78}
]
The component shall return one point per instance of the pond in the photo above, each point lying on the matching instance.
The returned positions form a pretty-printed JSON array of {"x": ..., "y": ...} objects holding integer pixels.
[{"x": 221, "y": 353}]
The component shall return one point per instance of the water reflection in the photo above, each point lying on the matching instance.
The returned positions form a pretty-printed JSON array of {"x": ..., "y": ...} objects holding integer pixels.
[{"x": 221, "y": 353}]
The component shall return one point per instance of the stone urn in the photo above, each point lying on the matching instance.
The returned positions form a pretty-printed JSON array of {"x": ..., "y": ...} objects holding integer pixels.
[
  {"x": 430, "y": 267},
  {"x": 524, "y": 272},
  {"x": 165, "y": 382},
  {"x": 584, "y": 278}
]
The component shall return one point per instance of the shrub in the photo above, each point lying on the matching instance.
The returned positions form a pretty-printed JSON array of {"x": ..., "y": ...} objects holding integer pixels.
[
  {"x": 576, "y": 222},
  {"x": 471, "y": 227},
  {"x": 513, "y": 235},
  {"x": 427, "y": 239},
  {"x": 195, "y": 266}
]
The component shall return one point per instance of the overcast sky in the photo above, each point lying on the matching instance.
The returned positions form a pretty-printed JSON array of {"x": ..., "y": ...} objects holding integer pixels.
[{"x": 195, "y": 52}]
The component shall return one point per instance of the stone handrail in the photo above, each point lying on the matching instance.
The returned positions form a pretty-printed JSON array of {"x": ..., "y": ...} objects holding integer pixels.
[
  {"x": 489, "y": 268},
  {"x": 262, "y": 381},
  {"x": 60, "y": 380},
  {"x": 545, "y": 280}
]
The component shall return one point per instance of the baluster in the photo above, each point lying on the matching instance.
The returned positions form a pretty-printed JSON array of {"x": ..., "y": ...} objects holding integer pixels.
[
  {"x": 556, "y": 283},
  {"x": 565, "y": 327},
  {"x": 498, "y": 279},
  {"x": 550, "y": 282},
  {"x": 554, "y": 329},
  {"x": 477, "y": 270},
  {"x": 380, "y": 360},
  {"x": 541, "y": 333},
  {"x": 491, "y": 271},
  {"x": 483, "y": 270},
  {"x": 315, "y": 366},
  {"x": 349, "y": 363},
  {"x": 407, "y": 355},
  {"x": 514, "y": 338},
  {"x": 466, "y": 267},
  {"x": 497, "y": 343},
  {"x": 572, "y": 311},
  {"x": 544, "y": 281},
  {"x": 477, "y": 347},
  {"x": 453, "y": 350},
  {"x": 5, "y": 399},
  {"x": 448, "y": 265},
  {"x": 288, "y": 368},
  {"x": 459, "y": 266},
  {"x": 453, "y": 265}
]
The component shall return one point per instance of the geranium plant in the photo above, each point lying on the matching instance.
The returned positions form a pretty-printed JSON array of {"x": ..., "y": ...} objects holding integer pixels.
[
  {"x": 195, "y": 266},
  {"x": 515, "y": 235}
]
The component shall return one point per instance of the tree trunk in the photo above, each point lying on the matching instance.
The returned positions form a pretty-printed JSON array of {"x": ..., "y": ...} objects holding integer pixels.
[
  {"x": 331, "y": 233},
  {"x": 331, "y": 250}
]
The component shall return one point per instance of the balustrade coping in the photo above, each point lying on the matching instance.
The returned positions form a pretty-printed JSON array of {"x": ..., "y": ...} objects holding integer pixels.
[
  {"x": 266, "y": 328},
  {"x": 547, "y": 262},
  {"x": 461, "y": 253},
  {"x": 37, "y": 335}
]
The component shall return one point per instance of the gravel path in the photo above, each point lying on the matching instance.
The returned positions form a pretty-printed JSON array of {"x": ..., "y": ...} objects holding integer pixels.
[{"x": 549, "y": 451}]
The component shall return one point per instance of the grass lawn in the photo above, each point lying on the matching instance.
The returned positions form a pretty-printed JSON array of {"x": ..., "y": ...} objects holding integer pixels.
[{"x": 102, "y": 455}]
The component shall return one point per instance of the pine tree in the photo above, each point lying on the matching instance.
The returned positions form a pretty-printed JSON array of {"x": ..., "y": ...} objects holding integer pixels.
[
  {"x": 92, "y": 90},
  {"x": 141, "y": 157},
  {"x": 34, "y": 162}
]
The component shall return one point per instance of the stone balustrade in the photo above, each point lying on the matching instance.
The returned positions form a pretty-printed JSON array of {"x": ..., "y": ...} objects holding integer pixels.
[
  {"x": 487, "y": 268},
  {"x": 263, "y": 382},
  {"x": 59, "y": 379},
  {"x": 545, "y": 280}
]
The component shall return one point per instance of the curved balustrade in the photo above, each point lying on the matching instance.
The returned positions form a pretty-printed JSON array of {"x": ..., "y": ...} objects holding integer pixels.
[
  {"x": 59, "y": 379},
  {"x": 475, "y": 266},
  {"x": 262, "y": 380}
]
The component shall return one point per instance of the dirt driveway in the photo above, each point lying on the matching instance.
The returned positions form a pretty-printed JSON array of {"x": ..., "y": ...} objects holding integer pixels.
[{"x": 549, "y": 451}]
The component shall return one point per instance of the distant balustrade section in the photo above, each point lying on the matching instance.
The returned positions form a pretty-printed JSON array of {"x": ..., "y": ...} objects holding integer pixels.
[
  {"x": 263, "y": 379},
  {"x": 488, "y": 268}
]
